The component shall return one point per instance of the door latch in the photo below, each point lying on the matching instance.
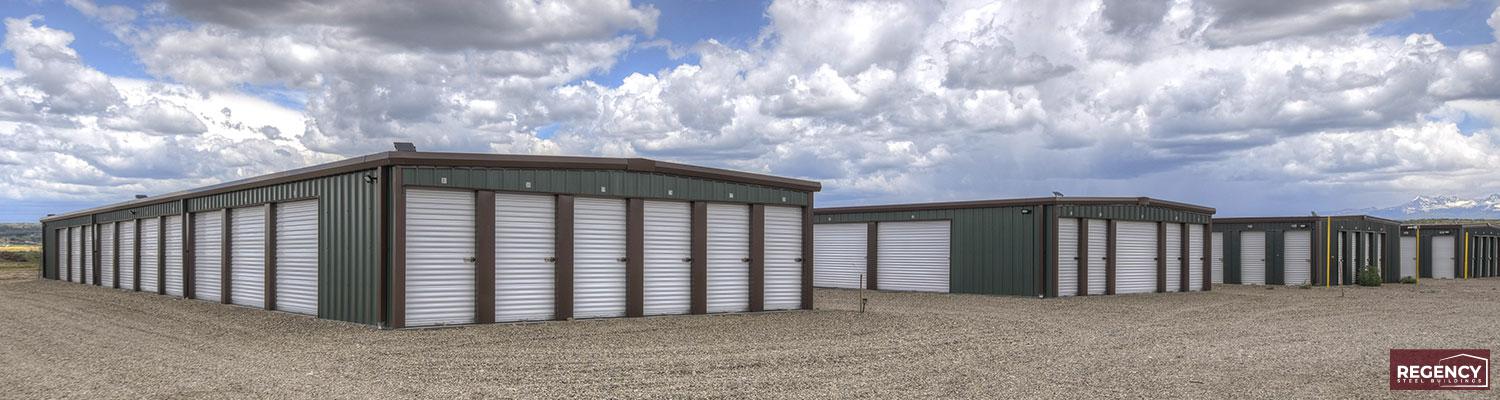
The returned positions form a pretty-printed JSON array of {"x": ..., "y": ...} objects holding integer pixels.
[
  {"x": 621, "y": 259},
  {"x": 799, "y": 259},
  {"x": 687, "y": 259},
  {"x": 550, "y": 259},
  {"x": 471, "y": 259},
  {"x": 746, "y": 259}
]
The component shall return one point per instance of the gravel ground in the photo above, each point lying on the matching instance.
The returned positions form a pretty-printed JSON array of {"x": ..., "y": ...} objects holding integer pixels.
[{"x": 60, "y": 340}]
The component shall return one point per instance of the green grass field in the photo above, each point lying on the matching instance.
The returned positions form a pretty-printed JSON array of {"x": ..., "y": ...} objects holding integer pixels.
[{"x": 20, "y": 256}]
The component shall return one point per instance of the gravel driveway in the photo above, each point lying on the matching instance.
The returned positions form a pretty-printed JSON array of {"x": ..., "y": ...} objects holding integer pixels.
[{"x": 61, "y": 340}]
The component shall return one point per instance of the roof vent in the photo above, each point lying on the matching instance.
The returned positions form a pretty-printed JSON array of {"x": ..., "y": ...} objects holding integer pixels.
[
  {"x": 140, "y": 196},
  {"x": 405, "y": 146}
]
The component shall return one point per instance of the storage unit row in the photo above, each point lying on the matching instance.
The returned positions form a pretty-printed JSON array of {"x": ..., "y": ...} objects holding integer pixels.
[
  {"x": 1450, "y": 251},
  {"x": 1034, "y": 247},
  {"x": 1295, "y": 251},
  {"x": 403, "y": 239}
]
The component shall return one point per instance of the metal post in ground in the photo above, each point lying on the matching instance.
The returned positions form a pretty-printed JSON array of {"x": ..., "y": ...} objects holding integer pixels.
[{"x": 862, "y": 299}]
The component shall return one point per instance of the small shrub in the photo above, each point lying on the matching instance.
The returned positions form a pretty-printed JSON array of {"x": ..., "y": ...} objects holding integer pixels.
[
  {"x": 1368, "y": 276},
  {"x": 1408, "y": 280}
]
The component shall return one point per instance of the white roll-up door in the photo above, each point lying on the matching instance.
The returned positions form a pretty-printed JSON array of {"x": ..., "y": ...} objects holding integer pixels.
[
  {"x": 107, "y": 255},
  {"x": 728, "y": 258},
  {"x": 86, "y": 264},
  {"x": 1217, "y": 263},
  {"x": 150, "y": 236},
  {"x": 1135, "y": 271},
  {"x": 1298, "y": 258},
  {"x": 208, "y": 236},
  {"x": 1067, "y": 257},
  {"x": 913, "y": 256},
  {"x": 173, "y": 255},
  {"x": 61, "y": 252},
  {"x": 1098, "y": 256},
  {"x": 1195, "y": 257},
  {"x": 71, "y": 261},
  {"x": 839, "y": 254},
  {"x": 525, "y": 237},
  {"x": 1252, "y": 258},
  {"x": 1174, "y": 257},
  {"x": 783, "y": 266},
  {"x": 440, "y": 257},
  {"x": 1442, "y": 256},
  {"x": 1408, "y": 256},
  {"x": 127, "y": 255},
  {"x": 599, "y": 258},
  {"x": 297, "y": 257},
  {"x": 247, "y": 257},
  {"x": 1377, "y": 240},
  {"x": 668, "y": 264}
]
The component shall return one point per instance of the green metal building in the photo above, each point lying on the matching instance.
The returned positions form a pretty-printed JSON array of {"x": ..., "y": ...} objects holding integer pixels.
[
  {"x": 1310, "y": 250},
  {"x": 1046, "y": 247},
  {"x": 405, "y": 238},
  {"x": 1450, "y": 251}
]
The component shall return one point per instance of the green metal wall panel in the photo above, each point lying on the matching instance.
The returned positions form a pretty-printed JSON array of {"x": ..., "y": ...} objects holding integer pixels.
[
  {"x": 993, "y": 250},
  {"x": 49, "y": 252},
  {"x": 349, "y": 242},
  {"x": 147, "y": 211},
  {"x": 1390, "y": 248},
  {"x": 600, "y": 183},
  {"x": 1126, "y": 212}
]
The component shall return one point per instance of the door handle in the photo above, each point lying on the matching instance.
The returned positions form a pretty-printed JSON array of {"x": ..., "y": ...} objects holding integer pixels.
[
  {"x": 799, "y": 259},
  {"x": 621, "y": 259},
  {"x": 687, "y": 259},
  {"x": 471, "y": 259},
  {"x": 550, "y": 259},
  {"x": 746, "y": 259}
]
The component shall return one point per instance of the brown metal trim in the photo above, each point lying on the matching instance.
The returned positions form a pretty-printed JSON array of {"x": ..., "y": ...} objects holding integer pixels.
[
  {"x": 563, "y": 292},
  {"x": 226, "y": 269},
  {"x": 699, "y": 268},
  {"x": 135, "y": 258},
  {"x": 396, "y": 297},
  {"x": 484, "y": 260},
  {"x": 270, "y": 257},
  {"x": 1083, "y": 257},
  {"x": 757, "y": 257},
  {"x": 1056, "y": 263},
  {"x": 807, "y": 255},
  {"x": 1109, "y": 262},
  {"x": 387, "y": 236},
  {"x": 114, "y": 256},
  {"x": 386, "y": 159},
  {"x": 1161, "y": 257},
  {"x": 1208, "y": 256},
  {"x": 1185, "y": 277},
  {"x": 872, "y": 256},
  {"x": 189, "y": 264},
  {"x": 68, "y": 265},
  {"x": 1023, "y": 202},
  {"x": 635, "y": 257},
  {"x": 161, "y": 255}
]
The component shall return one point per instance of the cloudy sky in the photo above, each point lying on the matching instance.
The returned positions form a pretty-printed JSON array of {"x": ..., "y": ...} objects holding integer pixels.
[{"x": 1254, "y": 107}]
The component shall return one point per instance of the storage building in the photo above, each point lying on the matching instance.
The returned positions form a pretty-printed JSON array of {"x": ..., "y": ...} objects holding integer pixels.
[
  {"x": 405, "y": 239},
  {"x": 1450, "y": 251},
  {"x": 1311, "y": 250},
  {"x": 1056, "y": 246}
]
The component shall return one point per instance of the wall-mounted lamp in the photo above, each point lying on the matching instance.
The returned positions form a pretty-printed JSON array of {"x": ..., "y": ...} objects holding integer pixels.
[{"x": 370, "y": 178}]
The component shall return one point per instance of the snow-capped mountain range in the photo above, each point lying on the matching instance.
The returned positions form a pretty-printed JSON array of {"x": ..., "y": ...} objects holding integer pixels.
[{"x": 1428, "y": 207}]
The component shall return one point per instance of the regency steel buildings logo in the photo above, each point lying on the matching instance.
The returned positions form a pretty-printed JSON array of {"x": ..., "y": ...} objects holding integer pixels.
[{"x": 1450, "y": 369}]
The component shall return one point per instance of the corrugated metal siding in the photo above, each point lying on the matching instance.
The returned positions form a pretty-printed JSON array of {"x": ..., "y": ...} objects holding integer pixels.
[
  {"x": 349, "y": 219},
  {"x": 146, "y": 211},
  {"x": 1131, "y": 213},
  {"x": 913, "y": 256},
  {"x": 783, "y": 271},
  {"x": 525, "y": 239},
  {"x": 1135, "y": 269},
  {"x": 107, "y": 255},
  {"x": 1098, "y": 256},
  {"x": 668, "y": 242},
  {"x": 601, "y": 183},
  {"x": 1252, "y": 258},
  {"x": 248, "y": 257},
  {"x": 1298, "y": 261},
  {"x": 993, "y": 250},
  {"x": 1067, "y": 257},
  {"x": 1217, "y": 263},
  {"x": 1174, "y": 257},
  {"x": 1195, "y": 257}
]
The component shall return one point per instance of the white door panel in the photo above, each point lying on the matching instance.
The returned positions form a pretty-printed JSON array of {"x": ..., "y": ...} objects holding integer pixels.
[
  {"x": 1098, "y": 256},
  {"x": 1174, "y": 257},
  {"x": 439, "y": 257},
  {"x": 599, "y": 254},
  {"x": 1217, "y": 263},
  {"x": 208, "y": 235},
  {"x": 1135, "y": 270},
  {"x": 1067, "y": 257},
  {"x": 150, "y": 246},
  {"x": 127, "y": 255},
  {"x": 839, "y": 254},
  {"x": 913, "y": 256},
  {"x": 173, "y": 255},
  {"x": 1195, "y": 257},
  {"x": 1298, "y": 258},
  {"x": 525, "y": 237},
  {"x": 297, "y": 257},
  {"x": 1252, "y": 258},
  {"x": 107, "y": 255},
  {"x": 783, "y": 266},
  {"x": 668, "y": 267},
  {"x": 247, "y": 257},
  {"x": 728, "y": 258},
  {"x": 1442, "y": 259}
]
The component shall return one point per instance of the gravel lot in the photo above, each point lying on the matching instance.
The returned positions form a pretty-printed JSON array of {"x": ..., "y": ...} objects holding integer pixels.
[{"x": 60, "y": 340}]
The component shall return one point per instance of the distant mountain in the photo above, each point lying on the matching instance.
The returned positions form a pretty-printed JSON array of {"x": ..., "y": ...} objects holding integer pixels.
[{"x": 1435, "y": 207}]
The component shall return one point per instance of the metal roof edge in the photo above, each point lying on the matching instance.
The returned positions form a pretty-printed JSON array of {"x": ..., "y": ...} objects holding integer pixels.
[{"x": 1032, "y": 201}]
